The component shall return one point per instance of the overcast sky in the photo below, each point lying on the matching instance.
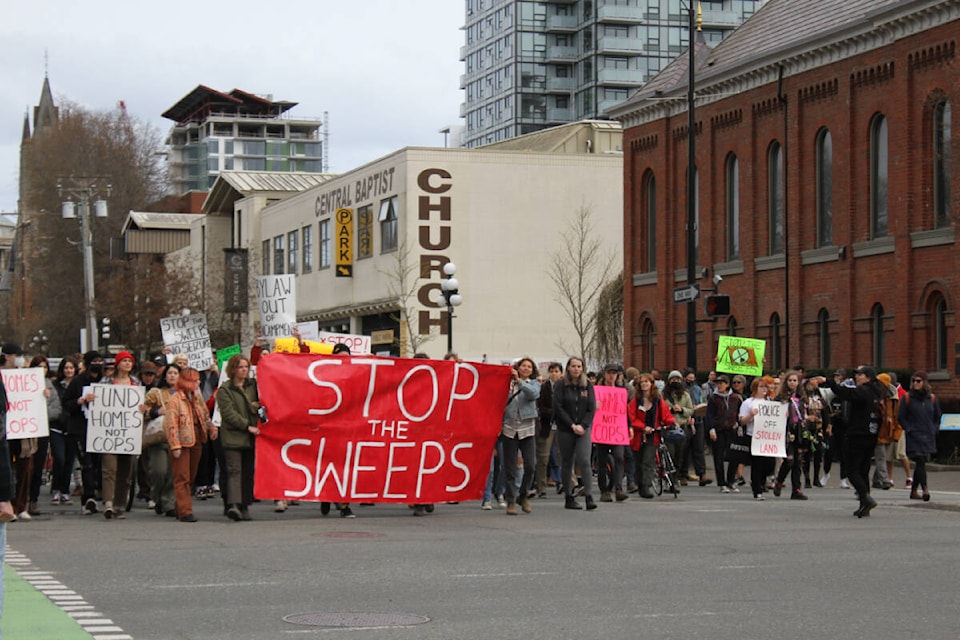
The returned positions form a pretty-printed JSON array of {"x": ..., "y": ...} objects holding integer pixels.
[{"x": 387, "y": 71}]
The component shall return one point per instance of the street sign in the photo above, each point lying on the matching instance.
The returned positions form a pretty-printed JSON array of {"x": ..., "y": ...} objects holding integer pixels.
[{"x": 688, "y": 293}]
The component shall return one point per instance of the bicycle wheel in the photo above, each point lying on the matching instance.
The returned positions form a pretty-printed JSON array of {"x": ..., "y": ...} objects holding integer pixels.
[
  {"x": 670, "y": 472},
  {"x": 657, "y": 484}
]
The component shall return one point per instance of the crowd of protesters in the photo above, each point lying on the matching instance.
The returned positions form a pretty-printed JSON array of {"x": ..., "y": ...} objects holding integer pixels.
[{"x": 545, "y": 441}]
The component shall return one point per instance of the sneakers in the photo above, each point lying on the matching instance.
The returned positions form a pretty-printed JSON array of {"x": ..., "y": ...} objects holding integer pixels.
[
  {"x": 65, "y": 499},
  {"x": 418, "y": 510},
  {"x": 188, "y": 518},
  {"x": 90, "y": 506},
  {"x": 844, "y": 484},
  {"x": 725, "y": 489},
  {"x": 501, "y": 502},
  {"x": 798, "y": 495},
  {"x": 741, "y": 481},
  {"x": 23, "y": 515},
  {"x": 486, "y": 506},
  {"x": 824, "y": 478},
  {"x": 345, "y": 512},
  {"x": 909, "y": 483},
  {"x": 777, "y": 489},
  {"x": 734, "y": 489},
  {"x": 234, "y": 513},
  {"x": 279, "y": 506},
  {"x": 56, "y": 498},
  {"x": 759, "y": 497},
  {"x": 108, "y": 510}
]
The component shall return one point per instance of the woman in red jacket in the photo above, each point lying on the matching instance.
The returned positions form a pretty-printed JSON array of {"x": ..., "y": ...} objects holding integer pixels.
[{"x": 648, "y": 415}]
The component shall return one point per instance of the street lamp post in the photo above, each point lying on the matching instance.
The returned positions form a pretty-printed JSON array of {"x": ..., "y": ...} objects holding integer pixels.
[
  {"x": 691, "y": 191},
  {"x": 450, "y": 291},
  {"x": 80, "y": 193}
]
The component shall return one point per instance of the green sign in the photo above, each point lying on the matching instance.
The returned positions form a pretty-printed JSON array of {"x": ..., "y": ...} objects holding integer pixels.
[
  {"x": 740, "y": 355},
  {"x": 225, "y": 354}
]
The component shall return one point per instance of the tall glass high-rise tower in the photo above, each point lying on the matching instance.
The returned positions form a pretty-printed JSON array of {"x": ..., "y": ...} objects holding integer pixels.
[{"x": 531, "y": 65}]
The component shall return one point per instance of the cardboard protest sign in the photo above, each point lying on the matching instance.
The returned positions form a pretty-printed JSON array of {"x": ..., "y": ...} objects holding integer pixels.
[
  {"x": 372, "y": 429},
  {"x": 610, "y": 420},
  {"x": 188, "y": 335},
  {"x": 309, "y": 330},
  {"x": 27, "y": 414},
  {"x": 770, "y": 430},
  {"x": 277, "y": 301},
  {"x": 359, "y": 345},
  {"x": 740, "y": 355},
  {"x": 114, "y": 421}
]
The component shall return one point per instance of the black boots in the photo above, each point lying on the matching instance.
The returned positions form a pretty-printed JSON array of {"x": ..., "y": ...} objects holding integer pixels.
[{"x": 572, "y": 503}]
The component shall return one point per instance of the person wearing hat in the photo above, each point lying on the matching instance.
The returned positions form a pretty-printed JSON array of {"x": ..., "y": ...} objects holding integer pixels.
[
  {"x": 723, "y": 411},
  {"x": 678, "y": 398},
  {"x": 117, "y": 468},
  {"x": 862, "y": 428},
  {"x": 919, "y": 415},
  {"x": 610, "y": 458}
]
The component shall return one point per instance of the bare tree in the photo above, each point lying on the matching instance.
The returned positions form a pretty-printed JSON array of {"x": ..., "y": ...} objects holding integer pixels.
[
  {"x": 403, "y": 279},
  {"x": 578, "y": 269},
  {"x": 608, "y": 320}
]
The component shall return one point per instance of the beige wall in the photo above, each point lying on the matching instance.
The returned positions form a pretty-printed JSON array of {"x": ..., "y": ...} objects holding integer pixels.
[{"x": 507, "y": 209}]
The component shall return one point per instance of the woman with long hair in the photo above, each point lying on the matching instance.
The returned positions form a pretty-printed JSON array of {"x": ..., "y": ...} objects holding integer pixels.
[
  {"x": 748, "y": 413},
  {"x": 155, "y": 441},
  {"x": 239, "y": 403},
  {"x": 117, "y": 469},
  {"x": 792, "y": 393},
  {"x": 63, "y": 448},
  {"x": 919, "y": 415},
  {"x": 518, "y": 431},
  {"x": 647, "y": 413},
  {"x": 187, "y": 425},
  {"x": 574, "y": 406},
  {"x": 54, "y": 409}
]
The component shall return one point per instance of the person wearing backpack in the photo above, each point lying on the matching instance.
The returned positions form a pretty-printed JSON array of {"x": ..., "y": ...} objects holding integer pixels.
[
  {"x": 919, "y": 416},
  {"x": 866, "y": 409}
]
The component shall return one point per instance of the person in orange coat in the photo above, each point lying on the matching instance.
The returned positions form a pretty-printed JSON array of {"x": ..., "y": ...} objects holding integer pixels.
[
  {"x": 648, "y": 413},
  {"x": 187, "y": 425}
]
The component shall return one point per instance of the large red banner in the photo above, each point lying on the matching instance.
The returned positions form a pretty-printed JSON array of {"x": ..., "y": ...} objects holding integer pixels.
[{"x": 372, "y": 429}]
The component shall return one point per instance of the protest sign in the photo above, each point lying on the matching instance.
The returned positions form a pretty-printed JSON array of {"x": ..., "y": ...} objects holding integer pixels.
[
  {"x": 309, "y": 330},
  {"x": 188, "y": 335},
  {"x": 770, "y": 430},
  {"x": 277, "y": 301},
  {"x": 359, "y": 345},
  {"x": 114, "y": 421},
  {"x": 740, "y": 355},
  {"x": 610, "y": 420},
  {"x": 27, "y": 413},
  {"x": 226, "y": 353},
  {"x": 372, "y": 429}
]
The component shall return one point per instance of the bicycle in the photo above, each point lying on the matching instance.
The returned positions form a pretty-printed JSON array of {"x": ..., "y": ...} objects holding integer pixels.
[{"x": 666, "y": 476}]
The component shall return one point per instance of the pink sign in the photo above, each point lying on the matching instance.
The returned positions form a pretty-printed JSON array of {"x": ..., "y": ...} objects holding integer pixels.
[{"x": 610, "y": 420}]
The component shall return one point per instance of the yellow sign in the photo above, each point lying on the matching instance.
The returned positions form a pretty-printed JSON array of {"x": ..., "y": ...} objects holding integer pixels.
[
  {"x": 740, "y": 355},
  {"x": 344, "y": 242}
]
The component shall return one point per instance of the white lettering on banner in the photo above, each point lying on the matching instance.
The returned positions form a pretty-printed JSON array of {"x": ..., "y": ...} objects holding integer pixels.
[
  {"x": 188, "y": 335},
  {"x": 277, "y": 301},
  {"x": 114, "y": 421},
  {"x": 345, "y": 473},
  {"x": 313, "y": 372}
]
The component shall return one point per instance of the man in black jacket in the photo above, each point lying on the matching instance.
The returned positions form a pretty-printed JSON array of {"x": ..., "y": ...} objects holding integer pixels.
[
  {"x": 75, "y": 426},
  {"x": 861, "y": 437}
]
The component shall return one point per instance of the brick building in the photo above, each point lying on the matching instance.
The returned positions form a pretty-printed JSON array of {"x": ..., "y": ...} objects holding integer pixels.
[{"x": 825, "y": 180}]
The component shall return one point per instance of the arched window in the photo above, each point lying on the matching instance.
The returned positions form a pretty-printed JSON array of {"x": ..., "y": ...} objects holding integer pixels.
[
  {"x": 938, "y": 309},
  {"x": 732, "y": 326},
  {"x": 824, "y": 169},
  {"x": 879, "y": 341},
  {"x": 878, "y": 177},
  {"x": 649, "y": 260},
  {"x": 775, "y": 344},
  {"x": 941, "y": 164},
  {"x": 823, "y": 333},
  {"x": 733, "y": 207},
  {"x": 647, "y": 342},
  {"x": 775, "y": 197}
]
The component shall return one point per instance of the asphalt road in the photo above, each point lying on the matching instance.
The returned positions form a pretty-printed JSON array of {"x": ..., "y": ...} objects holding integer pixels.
[{"x": 705, "y": 565}]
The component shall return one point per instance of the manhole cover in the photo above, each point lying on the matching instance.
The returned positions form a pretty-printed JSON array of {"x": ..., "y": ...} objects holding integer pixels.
[
  {"x": 347, "y": 534},
  {"x": 355, "y": 620}
]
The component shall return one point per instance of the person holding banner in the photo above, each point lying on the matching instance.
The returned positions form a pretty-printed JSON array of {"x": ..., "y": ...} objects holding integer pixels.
[
  {"x": 117, "y": 469},
  {"x": 792, "y": 393},
  {"x": 239, "y": 405},
  {"x": 610, "y": 457},
  {"x": 187, "y": 425},
  {"x": 748, "y": 413},
  {"x": 574, "y": 405},
  {"x": 518, "y": 431}
]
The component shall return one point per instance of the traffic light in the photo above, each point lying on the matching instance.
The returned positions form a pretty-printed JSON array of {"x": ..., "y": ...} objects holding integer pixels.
[{"x": 717, "y": 305}]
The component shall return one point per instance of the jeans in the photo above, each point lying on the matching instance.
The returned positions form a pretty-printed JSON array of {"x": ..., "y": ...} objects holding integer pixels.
[
  {"x": 495, "y": 477},
  {"x": 527, "y": 448},
  {"x": 161, "y": 478},
  {"x": 63, "y": 448}
]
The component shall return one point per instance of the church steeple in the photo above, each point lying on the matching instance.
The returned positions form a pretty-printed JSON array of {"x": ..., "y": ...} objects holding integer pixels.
[
  {"x": 46, "y": 113},
  {"x": 26, "y": 127}
]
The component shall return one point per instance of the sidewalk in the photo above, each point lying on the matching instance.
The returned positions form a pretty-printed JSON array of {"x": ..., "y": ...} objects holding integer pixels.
[{"x": 29, "y": 614}]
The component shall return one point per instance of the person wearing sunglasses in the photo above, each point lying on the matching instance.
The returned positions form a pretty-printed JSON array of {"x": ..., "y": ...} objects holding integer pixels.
[{"x": 919, "y": 415}]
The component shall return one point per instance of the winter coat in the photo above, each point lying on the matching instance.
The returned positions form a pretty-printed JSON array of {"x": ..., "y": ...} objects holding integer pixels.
[
  {"x": 864, "y": 400},
  {"x": 573, "y": 404},
  {"x": 238, "y": 411},
  {"x": 919, "y": 416},
  {"x": 179, "y": 420}
]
